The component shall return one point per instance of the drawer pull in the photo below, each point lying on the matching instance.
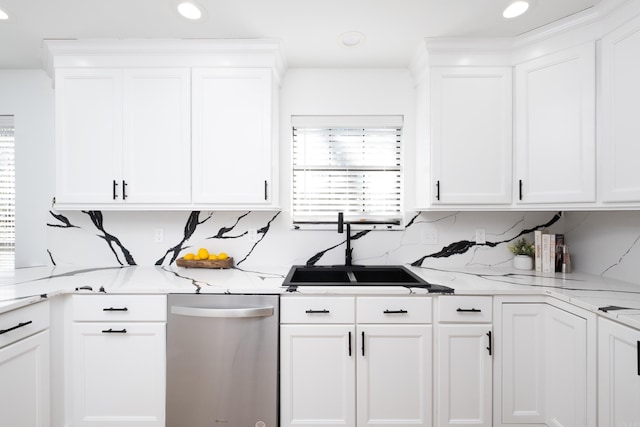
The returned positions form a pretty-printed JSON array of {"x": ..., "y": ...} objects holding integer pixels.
[
  {"x": 325, "y": 311},
  {"x": 468, "y": 310},
  {"x": 349, "y": 343},
  {"x": 19, "y": 325},
  {"x": 363, "y": 343},
  {"x": 490, "y": 348},
  {"x": 114, "y": 331},
  {"x": 395, "y": 311},
  {"x": 115, "y": 309}
]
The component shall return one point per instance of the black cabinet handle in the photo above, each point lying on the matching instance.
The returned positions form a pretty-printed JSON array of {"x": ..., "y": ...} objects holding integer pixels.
[
  {"x": 520, "y": 189},
  {"x": 265, "y": 190},
  {"x": 115, "y": 309},
  {"x": 325, "y": 311},
  {"x": 124, "y": 189},
  {"x": 19, "y": 325},
  {"x": 490, "y": 348},
  {"x": 395, "y": 311},
  {"x": 114, "y": 331},
  {"x": 468, "y": 310},
  {"x": 114, "y": 188},
  {"x": 349, "y": 343},
  {"x": 363, "y": 343},
  {"x": 438, "y": 190},
  {"x": 638, "y": 357}
]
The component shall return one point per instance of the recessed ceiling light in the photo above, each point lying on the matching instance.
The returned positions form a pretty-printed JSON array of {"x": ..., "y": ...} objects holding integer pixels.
[
  {"x": 3, "y": 15},
  {"x": 516, "y": 8},
  {"x": 190, "y": 10},
  {"x": 351, "y": 39}
]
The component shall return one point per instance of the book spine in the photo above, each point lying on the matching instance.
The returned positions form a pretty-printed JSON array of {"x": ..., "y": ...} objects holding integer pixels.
[
  {"x": 552, "y": 253},
  {"x": 537, "y": 241},
  {"x": 546, "y": 242}
]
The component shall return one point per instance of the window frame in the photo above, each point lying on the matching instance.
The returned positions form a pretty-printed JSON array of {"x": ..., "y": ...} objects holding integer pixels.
[{"x": 365, "y": 123}]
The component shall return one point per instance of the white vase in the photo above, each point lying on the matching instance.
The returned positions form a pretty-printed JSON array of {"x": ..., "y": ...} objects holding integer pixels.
[{"x": 523, "y": 262}]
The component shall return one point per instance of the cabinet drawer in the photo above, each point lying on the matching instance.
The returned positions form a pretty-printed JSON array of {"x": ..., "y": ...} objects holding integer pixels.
[
  {"x": 119, "y": 308},
  {"x": 394, "y": 310},
  {"x": 22, "y": 322},
  {"x": 471, "y": 309},
  {"x": 317, "y": 310}
]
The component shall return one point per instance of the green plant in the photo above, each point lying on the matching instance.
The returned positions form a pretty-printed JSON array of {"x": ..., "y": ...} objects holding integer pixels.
[{"x": 523, "y": 247}]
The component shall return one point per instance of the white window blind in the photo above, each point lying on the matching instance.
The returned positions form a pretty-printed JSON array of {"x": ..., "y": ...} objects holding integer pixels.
[
  {"x": 7, "y": 193},
  {"x": 347, "y": 164}
]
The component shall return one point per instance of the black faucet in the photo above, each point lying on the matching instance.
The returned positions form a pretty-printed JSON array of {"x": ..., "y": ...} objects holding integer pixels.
[{"x": 347, "y": 252}]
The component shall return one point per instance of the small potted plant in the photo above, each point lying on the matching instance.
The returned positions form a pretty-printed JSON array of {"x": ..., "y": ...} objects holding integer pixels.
[{"x": 524, "y": 253}]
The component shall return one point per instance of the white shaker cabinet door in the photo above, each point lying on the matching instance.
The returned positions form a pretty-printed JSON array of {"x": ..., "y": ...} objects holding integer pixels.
[
  {"x": 24, "y": 382},
  {"x": 157, "y": 136},
  {"x": 620, "y": 127},
  {"x": 394, "y": 375},
  {"x": 232, "y": 136},
  {"x": 471, "y": 135},
  {"x": 555, "y": 127},
  {"x": 522, "y": 389},
  {"x": 118, "y": 374},
  {"x": 618, "y": 374},
  {"x": 465, "y": 362},
  {"x": 317, "y": 375},
  {"x": 88, "y": 119}
]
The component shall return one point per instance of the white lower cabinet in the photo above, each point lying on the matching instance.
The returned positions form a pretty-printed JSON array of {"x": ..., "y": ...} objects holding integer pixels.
[
  {"x": 547, "y": 357},
  {"x": 618, "y": 375},
  {"x": 394, "y": 375},
  {"x": 464, "y": 362},
  {"x": 24, "y": 367},
  {"x": 118, "y": 360},
  {"x": 317, "y": 377},
  {"x": 339, "y": 368}
]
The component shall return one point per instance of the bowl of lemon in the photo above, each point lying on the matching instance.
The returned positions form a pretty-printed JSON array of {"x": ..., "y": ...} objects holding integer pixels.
[{"x": 205, "y": 259}]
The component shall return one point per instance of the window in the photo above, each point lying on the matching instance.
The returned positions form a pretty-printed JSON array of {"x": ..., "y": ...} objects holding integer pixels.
[
  {"x": 347, "y": 164},
  {"x": 7, "y": 194}
]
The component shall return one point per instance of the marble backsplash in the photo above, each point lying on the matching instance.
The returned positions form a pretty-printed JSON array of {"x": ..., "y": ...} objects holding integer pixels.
[
  {"x": 111, "y": 238},
  {"x": 601, "y": 243}
]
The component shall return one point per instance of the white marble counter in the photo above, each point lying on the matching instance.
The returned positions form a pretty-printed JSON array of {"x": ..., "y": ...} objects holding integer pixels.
[{"x": 26, "y": 286}]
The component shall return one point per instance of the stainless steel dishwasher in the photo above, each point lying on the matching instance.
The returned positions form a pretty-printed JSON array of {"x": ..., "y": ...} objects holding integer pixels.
[{"x": 222, "y": 360}]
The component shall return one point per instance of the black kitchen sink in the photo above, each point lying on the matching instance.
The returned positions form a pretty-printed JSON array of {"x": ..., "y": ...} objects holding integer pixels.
[
  {"x": 319, "y": 275},
  {"x": 357, "y": 275}
]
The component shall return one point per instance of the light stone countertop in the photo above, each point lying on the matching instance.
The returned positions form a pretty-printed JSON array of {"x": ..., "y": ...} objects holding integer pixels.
[{"x": 26, "y": 286}]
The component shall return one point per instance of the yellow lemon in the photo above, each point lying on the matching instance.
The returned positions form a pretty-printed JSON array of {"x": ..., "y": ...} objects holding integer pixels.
[
  {"x": 222, "y": 255},
  {"x": 189, "y": 256},
  {"x": 213, "y": 257},
  {"x": 203, "y": 253}
]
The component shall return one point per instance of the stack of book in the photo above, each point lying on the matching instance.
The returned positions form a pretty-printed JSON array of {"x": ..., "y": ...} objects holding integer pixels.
[{"x": 549, "y": 251}]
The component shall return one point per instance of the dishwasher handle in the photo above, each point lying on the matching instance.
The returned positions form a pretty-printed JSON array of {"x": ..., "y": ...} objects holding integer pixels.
[{"x": 222, "y": 312}]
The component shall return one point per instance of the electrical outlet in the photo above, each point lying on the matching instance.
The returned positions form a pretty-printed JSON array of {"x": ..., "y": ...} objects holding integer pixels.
[
  {"x": 430, "y": 235},
  {"x": 158, "y": 235},
  {"x": 253, "y": 235},
  {"x": 480, "y": 236}
]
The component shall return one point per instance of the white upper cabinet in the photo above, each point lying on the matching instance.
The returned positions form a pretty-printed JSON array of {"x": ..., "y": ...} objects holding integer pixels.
[
  {"x": 122, "y": 136},
  {"x": 471, "y": 135},
  {"x": 88, "y": 106},
  {"x": 232, "y": 135},
  {"x": 618, "y": 138},
  {"x": 156, "y": 149},
  {"x": 555, "y": 127},
  {"x": 165, "y": 124}
]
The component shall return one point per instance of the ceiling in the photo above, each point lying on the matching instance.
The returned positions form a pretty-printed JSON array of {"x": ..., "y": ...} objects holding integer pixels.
[{"x": 308, "y": 29}]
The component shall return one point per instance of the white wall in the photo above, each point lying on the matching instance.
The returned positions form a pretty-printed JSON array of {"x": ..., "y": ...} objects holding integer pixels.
[
  {"x": 27, "y": 94},
  {"x": 386, "y": 91}
]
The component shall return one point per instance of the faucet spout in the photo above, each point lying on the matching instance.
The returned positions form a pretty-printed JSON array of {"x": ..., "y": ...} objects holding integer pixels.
[{"x": 348, "y": 251}]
